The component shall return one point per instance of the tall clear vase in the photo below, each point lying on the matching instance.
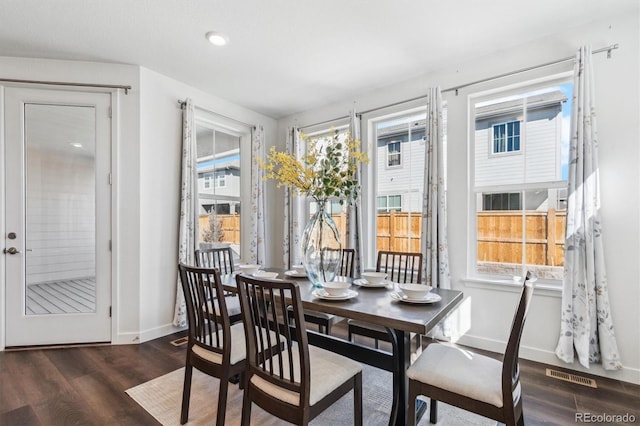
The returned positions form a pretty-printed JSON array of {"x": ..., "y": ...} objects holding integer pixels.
[{"x": 321, "y": 247}]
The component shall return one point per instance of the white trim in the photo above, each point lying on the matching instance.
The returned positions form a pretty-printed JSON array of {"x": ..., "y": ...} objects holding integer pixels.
[
  {"x": 543, "y": 288},
  {"x": 3, "y": 231}
]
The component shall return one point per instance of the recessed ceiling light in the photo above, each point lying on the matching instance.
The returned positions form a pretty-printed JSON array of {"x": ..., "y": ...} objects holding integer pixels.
[
  {"x": 216, "y": 38},
  {"x": 76, "y": 145}
]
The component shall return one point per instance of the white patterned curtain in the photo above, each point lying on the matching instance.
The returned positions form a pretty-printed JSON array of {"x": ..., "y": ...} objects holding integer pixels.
[
  {"x": 294, "y": 220},
  {"x": 354, "y": 212},
  {"x": 188, "y": 232},
  {"x": 434, "y": 245},
  {"x": 256, "y": 238},
  {"x": 586, "y": 324}
]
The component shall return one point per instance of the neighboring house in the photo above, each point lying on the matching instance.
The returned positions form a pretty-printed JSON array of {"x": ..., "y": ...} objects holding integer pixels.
[
  {"x": 219, "y": 183},
  {"x": 512, "y": 151},
  {"x": 400, "y": 165}
]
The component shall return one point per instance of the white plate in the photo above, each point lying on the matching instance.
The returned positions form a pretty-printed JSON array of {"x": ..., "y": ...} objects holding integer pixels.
[
  {"x": 429, "y": 298},
  {"x": 322, "y": 294},
  {"x": 293, "y": 273},
  {"x": 364, "y": 283}
]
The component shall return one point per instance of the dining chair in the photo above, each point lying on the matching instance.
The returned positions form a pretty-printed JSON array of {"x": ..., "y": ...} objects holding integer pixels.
[
  {"x": 286, "y": 376},
  {"x": 473, "y": 382},
  {"x": 221, "y": 258},
  {"x": 323, "y": 320},
  {"x": 214, "y": 346},
  {"x": 401, "y": 267}
]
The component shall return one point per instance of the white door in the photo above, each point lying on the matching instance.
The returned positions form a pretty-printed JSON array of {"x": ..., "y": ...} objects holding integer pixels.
[{"x": 58, "y": 216}]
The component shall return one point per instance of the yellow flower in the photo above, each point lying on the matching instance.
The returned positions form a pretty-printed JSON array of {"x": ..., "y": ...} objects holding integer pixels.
[{"x": 329, "y": 169}]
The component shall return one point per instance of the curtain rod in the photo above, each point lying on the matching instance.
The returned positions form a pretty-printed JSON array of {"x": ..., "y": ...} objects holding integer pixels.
[
  {"x": 607, "y": 49},
  {"x": 324, "y": 122},
  {"x": 62, "y": 83},
  {"x": 183, "y": 103}
]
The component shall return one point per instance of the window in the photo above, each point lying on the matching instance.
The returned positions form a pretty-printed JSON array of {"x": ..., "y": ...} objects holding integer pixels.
[
  {"x": 387, "y": 203},
  {"x": 504, "y": 201},
  {"x": 393, "y": 154},
  {"x": 394, "y": 184},
  {"x": 520, "y": 200},
  {"x": 219, "y": 184},
  {"x": 506, "y": 137}
]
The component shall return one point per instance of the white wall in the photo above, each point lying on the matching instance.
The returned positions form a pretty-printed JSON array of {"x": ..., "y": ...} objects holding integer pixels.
[
  {"x": 618, "y": 127},
  {"x": 160, "y": 157}
]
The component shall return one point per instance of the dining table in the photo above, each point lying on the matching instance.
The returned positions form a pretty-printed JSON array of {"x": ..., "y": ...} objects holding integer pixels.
[{"x": 379, "y": 306}]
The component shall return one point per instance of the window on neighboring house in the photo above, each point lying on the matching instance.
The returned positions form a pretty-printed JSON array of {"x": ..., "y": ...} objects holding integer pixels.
[
  {"x": 501, "y": 201},
  {"x": 519, "y": 200},
  {"x": 393, "y": 154},
  {"x": 506, "y": 137},
  {"x": 221, "y": 179},
  {"x": 207, "y": 181},
  {"x": 387, "y": 203}
]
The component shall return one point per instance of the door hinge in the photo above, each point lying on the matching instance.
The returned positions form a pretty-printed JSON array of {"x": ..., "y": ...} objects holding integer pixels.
[
  {"x": 109, "y": 112},
  {"x": 110, "y": 179},
  {"x": 109, "y": 311},
  {"x": 109, "y": 245}
]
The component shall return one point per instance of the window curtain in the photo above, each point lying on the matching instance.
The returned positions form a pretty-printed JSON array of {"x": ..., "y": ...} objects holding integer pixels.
[
  {"x": 354, "y": 212},
  {"x": 257, "y": 229},
  {"x": 294, "y": 220},
  {"x": 434, "y": 245},
  {"x": 188, "y": 231},
  {"x": 586, "y": 324}
]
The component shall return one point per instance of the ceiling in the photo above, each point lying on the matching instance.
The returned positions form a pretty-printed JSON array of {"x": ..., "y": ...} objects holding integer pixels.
[{"x": 286, "y": 56}]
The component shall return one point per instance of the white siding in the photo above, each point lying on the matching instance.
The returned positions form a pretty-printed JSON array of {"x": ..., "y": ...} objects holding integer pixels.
[{"x": 405, "y": 179}]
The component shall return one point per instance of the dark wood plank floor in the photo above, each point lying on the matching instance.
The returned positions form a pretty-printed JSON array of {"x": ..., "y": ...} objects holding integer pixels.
[{"x": 85, "y": 386}]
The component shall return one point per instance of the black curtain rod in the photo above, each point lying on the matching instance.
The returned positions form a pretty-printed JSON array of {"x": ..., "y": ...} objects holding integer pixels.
[{"x": 62, "y": 83}]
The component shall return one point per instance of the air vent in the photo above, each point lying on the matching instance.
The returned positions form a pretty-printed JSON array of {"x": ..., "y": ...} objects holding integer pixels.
[
  {"x": 571, "y": 378},
  {"x": 179, "y": 342}
]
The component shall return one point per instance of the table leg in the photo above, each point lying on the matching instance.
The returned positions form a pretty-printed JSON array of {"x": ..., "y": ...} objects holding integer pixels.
[{"x": 401, "y": 343}]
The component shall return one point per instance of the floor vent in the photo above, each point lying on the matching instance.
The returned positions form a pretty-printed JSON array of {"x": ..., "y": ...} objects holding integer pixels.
[
  {"x": 179, "y": 342},
  {"x": 571, "y": 378}
]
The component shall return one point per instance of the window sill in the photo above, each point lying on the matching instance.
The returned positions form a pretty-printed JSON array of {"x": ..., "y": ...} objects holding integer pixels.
[{"x": 541, "y": 288}]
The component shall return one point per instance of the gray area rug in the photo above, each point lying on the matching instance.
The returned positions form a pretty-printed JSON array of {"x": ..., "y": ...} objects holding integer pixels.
[{"x": 161, "y": 397}]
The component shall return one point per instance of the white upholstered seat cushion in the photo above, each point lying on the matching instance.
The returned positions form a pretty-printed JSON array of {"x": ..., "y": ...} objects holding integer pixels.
[
  {"x": 233, "y": 306},
  {"x": 238, "y": 347},
  {"x": 328, "y": 371},
  {"x": 460, "y": 371}
]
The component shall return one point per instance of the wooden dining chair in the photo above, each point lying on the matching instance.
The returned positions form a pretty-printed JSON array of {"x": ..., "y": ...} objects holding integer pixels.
[
  {"x": 214, "y": 346},
  {"x": 286, "y": 376},
  {"x": 473, "y": 382},
  {"x": 323, "y": 320},
  {"x": 401, "y": 267},
  {"x": 222, "y": 259}
]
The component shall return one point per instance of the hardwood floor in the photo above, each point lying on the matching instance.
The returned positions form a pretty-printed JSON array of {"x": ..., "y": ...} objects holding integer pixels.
[{"x": 85, "y": 386}]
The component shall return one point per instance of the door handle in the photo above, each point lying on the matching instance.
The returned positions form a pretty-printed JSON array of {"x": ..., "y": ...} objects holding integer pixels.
[{"x": 11, "y": 250}]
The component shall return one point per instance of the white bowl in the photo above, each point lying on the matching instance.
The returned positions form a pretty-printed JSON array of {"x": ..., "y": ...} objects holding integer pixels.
[
  {"x": 415, "y": 291},
  {"x": 248, "y": 269},
  {"x": 265, "y": 274},
  {"x": 299, "y": 269},
  {"x": 336, "y": 288},
  {"x": 374, "y": 277}
]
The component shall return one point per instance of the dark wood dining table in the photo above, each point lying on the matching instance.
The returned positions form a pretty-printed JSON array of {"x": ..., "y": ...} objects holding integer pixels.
[{"x": 375, "y": 306}]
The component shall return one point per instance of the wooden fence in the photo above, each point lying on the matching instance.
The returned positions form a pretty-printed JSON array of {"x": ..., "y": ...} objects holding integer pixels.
[{"x": 499, "y": 234}]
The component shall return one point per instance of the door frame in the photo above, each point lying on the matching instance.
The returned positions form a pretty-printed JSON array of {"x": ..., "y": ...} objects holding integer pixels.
[{"x": 115, "y": 95}]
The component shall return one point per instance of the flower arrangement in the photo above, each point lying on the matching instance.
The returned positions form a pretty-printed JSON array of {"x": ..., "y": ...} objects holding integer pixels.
[{"x": 327, "y": 170}]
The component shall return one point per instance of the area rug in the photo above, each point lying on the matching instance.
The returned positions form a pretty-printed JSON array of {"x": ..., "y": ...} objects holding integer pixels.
[{"x": 161, "y": 397}]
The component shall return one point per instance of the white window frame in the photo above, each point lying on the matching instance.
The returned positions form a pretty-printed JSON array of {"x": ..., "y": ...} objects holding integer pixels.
[
  {"x": 506, "y": 150},
  {"x": 207, "y": 181},
  {"x": 394, "y": 154},
  {"x": 222, "y": 124},
  {"x": 513, "y": 89},
  {"x": 220, "y": 179}
]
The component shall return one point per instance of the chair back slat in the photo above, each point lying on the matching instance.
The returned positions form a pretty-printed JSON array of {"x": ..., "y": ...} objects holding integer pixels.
[
  {"x": 401, "y": 267},
  {"x": 276, "y": 341},
  {"x": 209, "y": 324},
  {"x": 347, "y": 262},
  {"x": 218, "y": 257}
]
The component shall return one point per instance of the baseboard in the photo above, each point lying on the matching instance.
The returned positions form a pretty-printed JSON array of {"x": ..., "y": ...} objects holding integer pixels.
[
  {"x": 146, "y": 335},
  {"x": 627, "y": 374}
]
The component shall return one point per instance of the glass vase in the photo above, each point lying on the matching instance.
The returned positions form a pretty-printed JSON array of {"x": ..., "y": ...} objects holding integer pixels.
[{"x": 321, "y": 247}]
